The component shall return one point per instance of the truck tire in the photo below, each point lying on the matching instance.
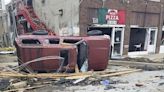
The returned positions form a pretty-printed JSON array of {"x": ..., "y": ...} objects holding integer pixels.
[
  {"x": 94, "y": 33},
  {"x": 40, "y": 32}
]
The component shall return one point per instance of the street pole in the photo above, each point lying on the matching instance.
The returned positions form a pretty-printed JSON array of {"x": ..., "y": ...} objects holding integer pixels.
[
  {"x": 127, "y": 29},
  {"x": 159, "y": 35}
]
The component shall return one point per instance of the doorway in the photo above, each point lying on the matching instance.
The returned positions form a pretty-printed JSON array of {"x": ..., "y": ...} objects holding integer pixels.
[
  {"x": 152, "y": 39},
  {"x": 117, "y": 36},
  {"x": 117, "y": 41},
  {"x": 137, "y": 39},
  {"x": 142, "y": 41},
  {"x": 162, "y": 43}
]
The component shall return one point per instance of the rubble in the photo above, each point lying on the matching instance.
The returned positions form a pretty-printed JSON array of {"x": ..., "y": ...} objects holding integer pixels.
[
  {"x": 141, "y": 59},
  {"x": 139, "y": 84},
  {"x": 151, "y": 58},
  {"x": 21, "y": 84},
  {"x": 162, "y": 83},
  {"x": 4, "y": 84},
  {"x": 10, "y": 50},
  {"x": 139, "y": 65},
  {"x": 22, "y": 80},
  {"x": 119, "y": 79},
  {"x": 79, "y": 80},
  {"x": 32, "y": 82},
  {"x": 8, "y": 58}
]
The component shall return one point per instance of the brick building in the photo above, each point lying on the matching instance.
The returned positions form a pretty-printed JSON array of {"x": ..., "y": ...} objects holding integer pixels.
[
  {"x": 135, "y": 26},
  {"x": 139, "y": 33}
]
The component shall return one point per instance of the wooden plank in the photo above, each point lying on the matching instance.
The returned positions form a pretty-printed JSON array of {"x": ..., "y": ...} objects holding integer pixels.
[
  {"x": 77, "y": 69},
  {"x": 7, "y": 49},
  {"x": 54, "y": 75},
  {"x": 67, "y": 76},
  {"x": 104, "y": 75},
  {"x": 107, "y": 72},
  {"x": 120, "y": 73},
  {"x": 78, "y": 77}
]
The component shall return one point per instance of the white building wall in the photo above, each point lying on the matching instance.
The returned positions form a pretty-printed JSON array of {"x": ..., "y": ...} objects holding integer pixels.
[
  {"x": 3, "y": 26},
  {"x": 65, "y": 25},
  {"x": 2, "y": 17},
  {"x": 2, "y": 6}
]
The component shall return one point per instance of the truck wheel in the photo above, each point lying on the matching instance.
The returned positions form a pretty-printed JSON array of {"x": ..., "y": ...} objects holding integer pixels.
[
  {"x": 40, "y": 32},
  {"x": 94, "y": 32}
]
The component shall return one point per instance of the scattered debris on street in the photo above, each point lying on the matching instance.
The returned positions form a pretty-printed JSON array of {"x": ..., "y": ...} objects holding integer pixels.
[
  {"x": 4, "y": 51},
  {"x": 23, "y": 80},
  {"x": 81, "y": 46},
  {"x": 114, "y": 78}
]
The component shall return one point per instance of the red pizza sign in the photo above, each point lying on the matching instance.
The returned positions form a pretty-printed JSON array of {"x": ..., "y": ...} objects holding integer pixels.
[
  {"x": 115, "y": 16},
  {"x": 112, "y": 15}
]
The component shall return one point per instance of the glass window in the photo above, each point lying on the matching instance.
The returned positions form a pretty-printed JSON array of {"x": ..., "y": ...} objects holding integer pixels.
[
  {"x": 152, "y": 37},
  {"x": 155, "y": 0},
  {"x": 0, "y": 4},
  {"x": 162, "y": 39}
]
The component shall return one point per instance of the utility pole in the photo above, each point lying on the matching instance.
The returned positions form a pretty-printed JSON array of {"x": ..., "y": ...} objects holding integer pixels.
[
  {"x": 145, "y": 13},
  {"x": 159, "y": 35},
  {"x": 127, "y": 28}
]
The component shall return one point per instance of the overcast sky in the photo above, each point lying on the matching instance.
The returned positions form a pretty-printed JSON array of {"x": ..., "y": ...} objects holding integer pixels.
[{"x": 7, "y": 1}]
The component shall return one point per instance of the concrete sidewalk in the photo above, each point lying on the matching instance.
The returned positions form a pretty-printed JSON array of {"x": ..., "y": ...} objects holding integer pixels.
[{"x": 153, "y": 57}]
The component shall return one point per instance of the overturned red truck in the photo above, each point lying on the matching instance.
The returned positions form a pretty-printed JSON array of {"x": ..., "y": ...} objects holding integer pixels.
[
  {"x": 39, "y": 50},
  {"x": 91, "y": 52}
]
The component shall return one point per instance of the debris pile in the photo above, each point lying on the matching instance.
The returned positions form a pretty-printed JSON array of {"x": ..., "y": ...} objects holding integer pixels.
[
  {"x": 146, "y": 60},
  {"x": 139, "y": 60},
  {"x": 115, "y": 78},
  {"x": 16, "y": 81},
  {"x": 140, "y": 63},
  {"x": 9, "y": 50}
]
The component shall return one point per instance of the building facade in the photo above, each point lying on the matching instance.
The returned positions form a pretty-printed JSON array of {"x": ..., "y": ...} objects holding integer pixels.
[
  {"x": 135, "y": 26},
  {"x": 3, "y": 23},
  {"x": 60, "y": 15},
  {"x": 140, "y": 30}
]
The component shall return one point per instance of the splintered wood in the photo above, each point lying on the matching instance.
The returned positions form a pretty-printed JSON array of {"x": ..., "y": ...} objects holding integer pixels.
[{"x": 69, "y": 76}]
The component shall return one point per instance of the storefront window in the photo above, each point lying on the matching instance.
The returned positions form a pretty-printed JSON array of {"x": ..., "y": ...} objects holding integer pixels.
[
  {"x": 152, "y": 37},
  {"x": 162, "y": 39},
  {"x": 0, "y": 4}
]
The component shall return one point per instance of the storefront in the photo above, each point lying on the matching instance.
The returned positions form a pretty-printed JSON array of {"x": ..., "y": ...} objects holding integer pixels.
[
  {"x": 162, "y": 42},
  {"x": 142, "y": 40},
  {"x": 114, "y": 26}
]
